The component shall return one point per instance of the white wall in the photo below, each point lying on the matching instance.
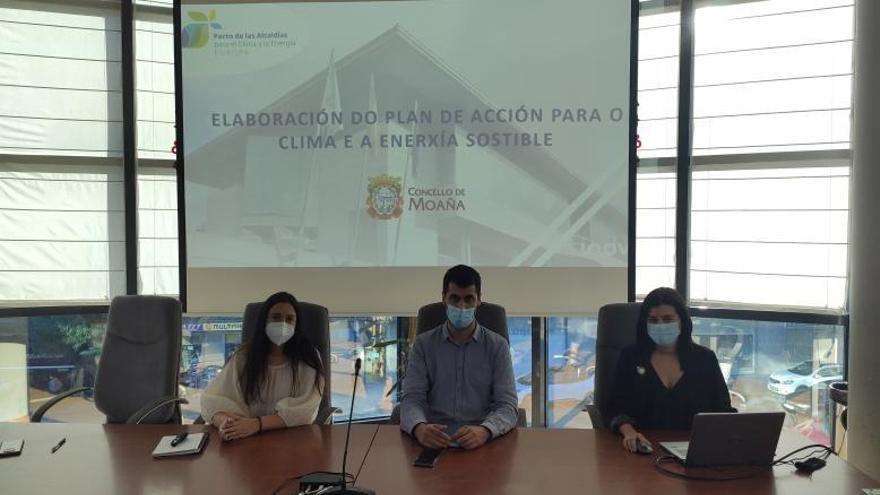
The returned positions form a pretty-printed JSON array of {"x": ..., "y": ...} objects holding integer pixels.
[{"x": 864, "y": 339}]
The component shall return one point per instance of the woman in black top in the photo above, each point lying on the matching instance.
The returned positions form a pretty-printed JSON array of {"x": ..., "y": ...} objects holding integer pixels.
[{"x": 665, "y": 379}]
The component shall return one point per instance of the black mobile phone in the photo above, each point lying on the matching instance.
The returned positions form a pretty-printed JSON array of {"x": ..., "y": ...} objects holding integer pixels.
[
  {"x": 9, "y": 448},
  {"x": 427, "y": 458}
]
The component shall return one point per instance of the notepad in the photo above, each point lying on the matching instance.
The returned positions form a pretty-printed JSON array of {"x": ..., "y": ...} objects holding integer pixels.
[{"x": 192, "y": 444}]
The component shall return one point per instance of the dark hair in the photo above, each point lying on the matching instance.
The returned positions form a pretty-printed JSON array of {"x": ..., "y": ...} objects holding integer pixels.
[
  {"x": 462, "y": 276},
  {"x": 256, "y": 351},
  {"x": 671, "y": 297}
]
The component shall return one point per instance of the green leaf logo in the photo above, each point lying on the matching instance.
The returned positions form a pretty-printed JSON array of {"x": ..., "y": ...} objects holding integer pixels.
[{"x": 197, "y": 34}]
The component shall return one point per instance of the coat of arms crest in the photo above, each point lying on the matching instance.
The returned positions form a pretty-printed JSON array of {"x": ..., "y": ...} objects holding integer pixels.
[{"x": 385, "y": 197}]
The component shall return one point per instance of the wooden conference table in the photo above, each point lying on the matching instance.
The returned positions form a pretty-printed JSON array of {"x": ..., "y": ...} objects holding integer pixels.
[{"x": 116, "y": 459}]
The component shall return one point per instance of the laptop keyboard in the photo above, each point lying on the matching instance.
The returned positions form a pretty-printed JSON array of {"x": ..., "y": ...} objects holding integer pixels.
[{"x": 679, "y": 449}]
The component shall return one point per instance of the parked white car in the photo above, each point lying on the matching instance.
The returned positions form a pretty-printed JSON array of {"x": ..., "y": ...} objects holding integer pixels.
[{"x": 802, "y": 377}]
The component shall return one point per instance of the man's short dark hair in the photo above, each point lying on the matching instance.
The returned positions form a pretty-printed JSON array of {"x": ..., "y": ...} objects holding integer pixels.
[{"x": 462, "y": 276}]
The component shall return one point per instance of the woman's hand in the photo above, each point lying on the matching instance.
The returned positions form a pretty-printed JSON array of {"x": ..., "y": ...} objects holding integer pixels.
[
  {"x": 236, "y": 427},
  {"x": 220, "y": 417},
  {"x": 631, "y": 438}
]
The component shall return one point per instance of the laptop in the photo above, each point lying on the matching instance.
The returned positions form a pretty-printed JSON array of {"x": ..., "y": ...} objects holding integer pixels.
[{"x": 728, "y": 439}]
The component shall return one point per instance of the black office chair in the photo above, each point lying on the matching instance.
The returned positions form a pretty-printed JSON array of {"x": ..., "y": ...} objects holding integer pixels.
[
  {"x": 616, "y": 330},
  {"x": 138, "y": 371},
  {"x": 491, "y": 316},
  {"x": 315, "y": 325}
]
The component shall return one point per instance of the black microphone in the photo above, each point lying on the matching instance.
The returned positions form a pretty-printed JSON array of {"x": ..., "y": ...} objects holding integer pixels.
[{"x": 343, "y": 489}]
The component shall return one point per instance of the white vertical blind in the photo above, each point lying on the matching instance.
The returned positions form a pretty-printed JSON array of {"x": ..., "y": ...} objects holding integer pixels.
[
  {"x": 62, "y": 233},
  {"x": 154, "y": 46},
  {"x": 771, "y": 236},
  {"x": 658, "y": 84},
  {"x": 158, "y": 271},
  {"x": 773, "y": 76},
  {"x": 658, "y": 133},
  {"x": 157, "y": 232},
  {"x": 60, "y": 79},
  {"x": 655, "y": 231}
]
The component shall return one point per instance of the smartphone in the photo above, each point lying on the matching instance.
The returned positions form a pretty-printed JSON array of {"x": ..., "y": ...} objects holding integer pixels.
[
  {"x": 451, "y": 429},
  {"x": 427, "y": 458},
  {"x": 10, "y": 448}
]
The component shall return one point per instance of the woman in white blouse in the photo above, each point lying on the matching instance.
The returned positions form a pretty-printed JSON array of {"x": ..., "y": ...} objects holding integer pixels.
[{"x": 273, "y": 381}]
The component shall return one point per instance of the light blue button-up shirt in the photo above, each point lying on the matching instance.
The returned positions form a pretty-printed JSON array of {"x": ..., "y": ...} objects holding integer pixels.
[{"x": 468, "y": 383}]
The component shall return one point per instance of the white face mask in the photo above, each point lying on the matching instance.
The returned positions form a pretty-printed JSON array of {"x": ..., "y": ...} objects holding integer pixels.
[{"x": 279, "y": 332}]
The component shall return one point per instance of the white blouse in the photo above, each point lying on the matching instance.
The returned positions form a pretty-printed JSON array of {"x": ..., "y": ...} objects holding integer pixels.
[{"x": 296, "y": 405}]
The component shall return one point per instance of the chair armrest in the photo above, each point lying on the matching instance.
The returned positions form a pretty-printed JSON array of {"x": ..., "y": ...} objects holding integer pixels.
[
  {"x": 38, "y": 414},
  {"x": 737, "y": 395},
  {"x": 325, "y": 415},
  {"x": 145, "y": 411},
  {"x": 595, "y": 416},
  {"x": 521, "y": 420},
  {"x": 395, "y": 415}
]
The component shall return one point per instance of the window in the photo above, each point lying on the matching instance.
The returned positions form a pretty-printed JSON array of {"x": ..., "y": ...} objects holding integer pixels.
[
  {"x": 772, "y": 107},
  {"x": 375, "y": 340},
  {"x": 208, "y": 343},
  {"x": 519, "y": 330},
  {"x": 62, "y": 234},
  {"x": 571, "y": 369},
  {"x": 60, "y": 91},
  {"x": 655, "y": 228},
  {"x": 659, "y": 30},
  {"x": 771, "y": 235},
  {"x": 158, "y": 269},
  {"x": 775, "y": 366},
  {"x": 154, "y": 46},
  {"x": 773, "y": 76},
  {"x": 42, "y": 356},
  {"x": 61, "y": 222}
]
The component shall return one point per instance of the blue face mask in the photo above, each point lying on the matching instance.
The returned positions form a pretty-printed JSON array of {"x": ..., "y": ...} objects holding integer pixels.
[
  {"x": 460, "y": 318},
  {"x": 664, "y": 334}
]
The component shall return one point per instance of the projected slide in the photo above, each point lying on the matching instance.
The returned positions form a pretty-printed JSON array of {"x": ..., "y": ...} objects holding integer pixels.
[{"x": 407, "y": 134}]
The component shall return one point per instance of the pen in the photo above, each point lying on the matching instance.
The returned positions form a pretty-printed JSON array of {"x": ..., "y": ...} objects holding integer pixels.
[
  {"x": 178, "y": 439},
  {"x": 58, "y": 445}
]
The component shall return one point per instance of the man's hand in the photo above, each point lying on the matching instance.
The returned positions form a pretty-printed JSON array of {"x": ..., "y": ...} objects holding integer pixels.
[
  {"x": 431, "y": 436},
  {"x": 237, "y": 427},
  {"x": 471, "y": 437}
]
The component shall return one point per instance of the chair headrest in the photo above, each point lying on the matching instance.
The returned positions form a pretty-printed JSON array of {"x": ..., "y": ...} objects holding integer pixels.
[
  {"x": 142, "y": 319},
  {"x": 315, "y": 315},
  {"x": 491, "y": 316},
  {"x": 617, "y": 325}
]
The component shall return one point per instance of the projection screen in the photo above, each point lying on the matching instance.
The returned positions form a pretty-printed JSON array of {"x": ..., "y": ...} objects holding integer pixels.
[{"x": 350, "y": 152}]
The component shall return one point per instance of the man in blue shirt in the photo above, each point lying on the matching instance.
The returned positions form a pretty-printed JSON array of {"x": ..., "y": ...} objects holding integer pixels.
[{"x": 459, "y": 373}]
